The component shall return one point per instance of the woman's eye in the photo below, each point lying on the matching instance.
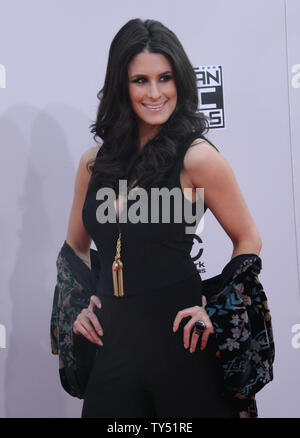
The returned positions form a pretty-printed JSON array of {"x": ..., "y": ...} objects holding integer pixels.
[
  {"x": 166, "y": 78},
  {"x": 139, "y": 80}
]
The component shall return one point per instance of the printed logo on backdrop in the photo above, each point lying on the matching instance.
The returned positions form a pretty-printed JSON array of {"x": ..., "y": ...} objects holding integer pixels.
[
  {"x": 296, "y": 76},
  {"x": 211, "y": 104},
  {"x": 196, "y": 253},
  {"x": 2, "y": 76},
  {"x": 210, "y": 92}
]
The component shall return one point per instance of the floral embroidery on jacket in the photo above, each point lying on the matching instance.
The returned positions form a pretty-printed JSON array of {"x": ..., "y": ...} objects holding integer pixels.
[
  {"x": 70, "y": 297},
  {"x": 242, "y": 321}
]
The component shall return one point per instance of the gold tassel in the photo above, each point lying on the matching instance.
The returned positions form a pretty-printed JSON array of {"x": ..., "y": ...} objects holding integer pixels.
[
  {"x": 117, "y": 271},
  {"x": 120, "y": 279}
]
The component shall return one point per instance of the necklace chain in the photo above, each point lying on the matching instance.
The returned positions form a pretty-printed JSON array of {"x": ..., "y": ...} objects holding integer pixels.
[{"x": 117, "y": 266}]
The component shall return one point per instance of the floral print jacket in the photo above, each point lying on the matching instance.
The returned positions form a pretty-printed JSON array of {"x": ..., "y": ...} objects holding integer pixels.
[
  {"x": 74, "y": 287},
  {"x": 238, "y": 308}
]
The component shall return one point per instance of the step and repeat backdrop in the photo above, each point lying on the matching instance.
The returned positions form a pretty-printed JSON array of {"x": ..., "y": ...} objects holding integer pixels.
[{"x": 53, "y": 57}]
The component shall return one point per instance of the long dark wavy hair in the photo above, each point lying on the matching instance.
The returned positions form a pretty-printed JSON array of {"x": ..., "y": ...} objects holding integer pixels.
[{"x": 116, "y": 124}]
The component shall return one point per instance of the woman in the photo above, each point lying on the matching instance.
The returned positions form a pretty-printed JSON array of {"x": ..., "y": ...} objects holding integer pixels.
[{"x": 151, "y": 361}]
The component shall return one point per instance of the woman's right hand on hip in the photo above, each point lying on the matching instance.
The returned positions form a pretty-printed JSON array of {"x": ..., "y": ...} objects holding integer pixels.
[{"x": 87, "y": 323}]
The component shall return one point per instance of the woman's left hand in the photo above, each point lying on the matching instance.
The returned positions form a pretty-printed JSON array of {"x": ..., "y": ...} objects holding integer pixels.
[{"x": 196, "y": 313}]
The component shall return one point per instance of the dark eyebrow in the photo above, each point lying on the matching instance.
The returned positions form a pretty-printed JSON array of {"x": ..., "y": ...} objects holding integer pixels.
[{"x": 141, "y": 74}]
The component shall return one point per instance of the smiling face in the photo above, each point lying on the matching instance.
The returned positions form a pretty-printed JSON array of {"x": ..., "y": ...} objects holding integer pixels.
[{"x": 152, "y": 92}]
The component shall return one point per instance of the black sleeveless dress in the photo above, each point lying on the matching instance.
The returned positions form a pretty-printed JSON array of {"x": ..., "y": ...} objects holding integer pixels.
[{"x": 143, "y": 369}]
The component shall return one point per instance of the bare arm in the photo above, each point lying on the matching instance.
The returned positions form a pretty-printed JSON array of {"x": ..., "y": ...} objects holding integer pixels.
[
  {"x": 86, "y": 323},
  {"x": 207, "y": 168},
  {"x": 77, "y": 236}
]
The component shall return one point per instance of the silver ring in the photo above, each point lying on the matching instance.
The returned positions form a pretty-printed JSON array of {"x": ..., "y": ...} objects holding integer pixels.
[
  {"x": 88, "y": 312},
  {"x": 199, "y": 327}
]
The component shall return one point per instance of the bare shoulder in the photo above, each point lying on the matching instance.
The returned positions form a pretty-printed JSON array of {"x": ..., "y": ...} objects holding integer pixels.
[
  {"x": 200, "y": 148},
  {"x": 203, "y": 162},
  {"x": 88, "y": 157},
  {"x": 200, "y": 152},
  {"x": 86, "y": 162}
]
